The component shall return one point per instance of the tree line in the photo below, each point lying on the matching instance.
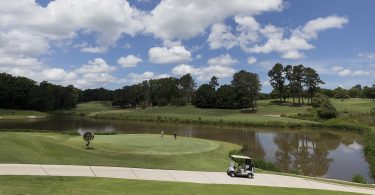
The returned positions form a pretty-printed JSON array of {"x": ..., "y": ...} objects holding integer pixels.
[
  {"x": 98, "y": 94},
  {"x": 356, "y": 91},
  {"x": 242, "y": 92},
  {"x": 25, "y": 94},
  {"x": 156, "y": 92},
  {"x": 294, "y": 81}
]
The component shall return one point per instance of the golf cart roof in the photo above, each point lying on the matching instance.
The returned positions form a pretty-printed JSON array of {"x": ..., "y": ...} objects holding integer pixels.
[{"x": 240, "y": 157}]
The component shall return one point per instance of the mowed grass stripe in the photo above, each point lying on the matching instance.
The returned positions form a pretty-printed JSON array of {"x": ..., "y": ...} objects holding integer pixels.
[{"x": 83, "y": 185}]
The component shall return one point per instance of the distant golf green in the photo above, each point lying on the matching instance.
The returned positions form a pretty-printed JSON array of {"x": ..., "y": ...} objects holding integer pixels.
[
  {"x": 89, "y": 107},
  {"x": 267, "y": 113},
  {"x": 21, "y": 114},
  {"x": 84, "y": 185},
  {"x": 353, "y": 104},
  {"x": 144, "y": 150}
]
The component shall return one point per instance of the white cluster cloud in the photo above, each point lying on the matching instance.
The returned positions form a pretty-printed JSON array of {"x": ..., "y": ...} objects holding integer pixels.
[
  {"x": 341, "y": 71},
  {"x": 94, "y": 49},
  {"x": 28, "y": 31},
  {"x": 31, "y": 27},
  {"x": 16, "y": 61},
  {"x": 204, "y": 73},
  {"x": 367, "y": 55},
  {"x": 138, "y": 78},
  {"x": 220, "y": 66},
  {"x": 181, "y": 19},
  {"x": 129, "y": 61},
  {"x": 251, "y": 60},
  {"x": 95, "y": 72},
  {"x": 58, "y": 74},
  {"x": 249, "y": 33},
  {"x": 169, "y": 55},
  {"x": 222, "y": 60},
  {"x": 221, "y": 37},
  {"x": 96, "y": 66}
]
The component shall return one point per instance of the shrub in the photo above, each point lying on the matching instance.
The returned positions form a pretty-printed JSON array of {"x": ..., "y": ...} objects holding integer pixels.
[
  {"x": 162, "y": 102},
  {"x": 359, "y": 179},
  {"x": 326, "y": 110},
  {"x": 318, "y": 100},
  {"x": 179, "y": 102},
  {"x": 268, "y": 166}
]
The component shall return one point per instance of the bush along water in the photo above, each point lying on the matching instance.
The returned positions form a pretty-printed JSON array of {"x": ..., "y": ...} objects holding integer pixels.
[
  {"x": 326, "y": 110},
  {"x": 359, "y": 179}
]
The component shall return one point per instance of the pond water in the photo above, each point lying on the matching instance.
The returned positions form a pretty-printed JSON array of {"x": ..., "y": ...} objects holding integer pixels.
[{"x": 316, "y": 152}]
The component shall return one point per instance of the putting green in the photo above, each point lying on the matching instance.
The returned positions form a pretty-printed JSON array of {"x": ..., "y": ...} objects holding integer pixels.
[
  {"x": 124, "y": 150},
  {"x": 150, "y": 144}
]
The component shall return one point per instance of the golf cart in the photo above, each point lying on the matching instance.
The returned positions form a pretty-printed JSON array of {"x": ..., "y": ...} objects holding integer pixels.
[{"x": 244, "y": 166}]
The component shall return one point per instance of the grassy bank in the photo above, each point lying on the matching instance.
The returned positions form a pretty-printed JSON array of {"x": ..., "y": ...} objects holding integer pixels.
[
  {"x": 6, "y": 114},
  {"x": 83, "y": 109},
  {"x": 267, "y": 115},
  {"x": 146, "y": 151},
  {"x": 353, "y": 105},
  {"x": 83, "y": 185},
  {"x": 370, "y": 148}
]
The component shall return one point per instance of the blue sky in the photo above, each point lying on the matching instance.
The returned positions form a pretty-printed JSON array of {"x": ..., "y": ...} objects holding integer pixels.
[{"x": 112, "y": 43}]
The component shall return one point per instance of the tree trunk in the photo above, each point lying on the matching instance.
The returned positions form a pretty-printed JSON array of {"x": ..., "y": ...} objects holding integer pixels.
[{"x": 293, "y": 99}]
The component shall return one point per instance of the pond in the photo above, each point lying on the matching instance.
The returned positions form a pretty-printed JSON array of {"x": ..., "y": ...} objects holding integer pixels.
[{"x": 315, "y": 152}]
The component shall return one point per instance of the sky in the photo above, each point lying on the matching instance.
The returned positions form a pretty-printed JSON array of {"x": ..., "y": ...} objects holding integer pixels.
[{"x": 113, "y": 43}]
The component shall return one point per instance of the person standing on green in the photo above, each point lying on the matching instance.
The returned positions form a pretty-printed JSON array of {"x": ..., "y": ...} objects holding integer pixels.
[{"x": 175, "y": 135}]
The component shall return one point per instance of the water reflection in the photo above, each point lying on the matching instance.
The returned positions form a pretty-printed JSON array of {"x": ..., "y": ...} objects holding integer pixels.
[
  {"x": 323, "y": 153},
  {"x": 305, "y": 153}
]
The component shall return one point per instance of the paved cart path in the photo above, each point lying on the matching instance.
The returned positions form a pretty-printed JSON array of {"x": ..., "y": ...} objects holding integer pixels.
[{"x": 176, "y": 176}]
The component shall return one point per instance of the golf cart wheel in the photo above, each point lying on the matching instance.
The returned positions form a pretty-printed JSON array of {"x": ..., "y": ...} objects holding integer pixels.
[
  {"x": 251, "y": 176},
  {"x": 231, "y": 174}
]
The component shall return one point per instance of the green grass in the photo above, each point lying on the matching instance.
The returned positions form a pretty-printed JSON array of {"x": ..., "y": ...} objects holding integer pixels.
[
  {"x": 267, "y": 115},
  {"x": 88, "y": 107},
  {"x": 325, "y": 180},
  {"x": 370, "y": 148},
  {"x": 6, "y": 114},
  {"x": 82, "y": 185},
  {"x": 353, "y": 105},
  {"x": 146, "y": 151}
]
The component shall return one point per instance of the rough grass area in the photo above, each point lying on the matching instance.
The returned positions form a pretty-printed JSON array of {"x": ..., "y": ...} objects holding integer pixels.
[
  {"x": 80, "y": 185},
  {"x": 267, "y": 114},
  {"x": 6, "y": 114},
  {"x": 146, "y": 151},
  {"x": 88, "y": 107},
  {"x": 370, "y": 149},
  {"x": 353, "y": 105}
]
